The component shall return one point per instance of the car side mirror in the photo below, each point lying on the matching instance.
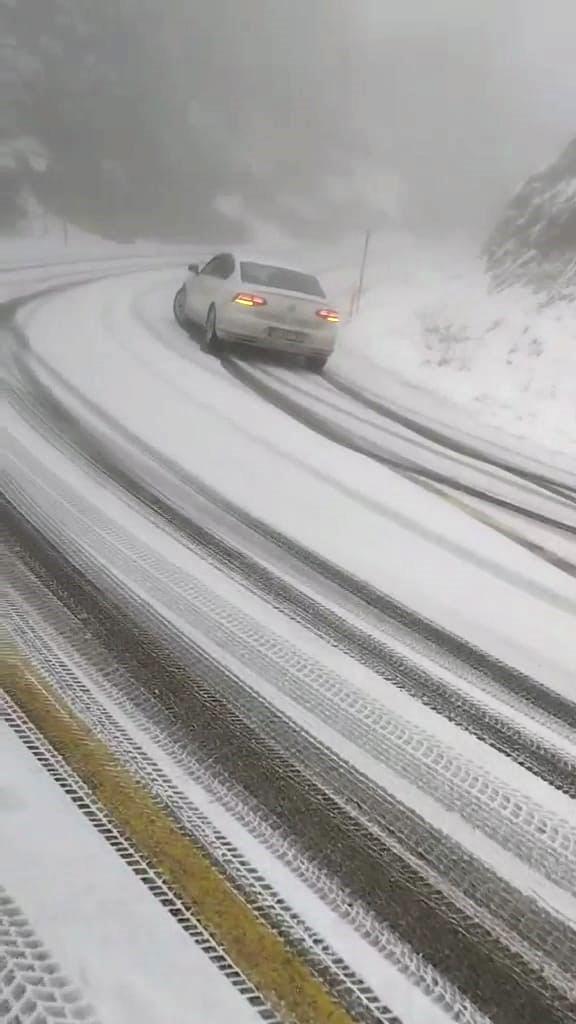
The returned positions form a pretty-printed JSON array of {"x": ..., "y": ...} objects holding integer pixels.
[{"x": 193, "y": 268}]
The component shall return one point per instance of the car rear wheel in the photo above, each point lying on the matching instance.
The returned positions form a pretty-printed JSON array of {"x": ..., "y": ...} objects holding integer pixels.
[
  {"x": 211, "y": 342},
  {"x": 180, "y": 309},
  {"x": 316, "y": 363}
]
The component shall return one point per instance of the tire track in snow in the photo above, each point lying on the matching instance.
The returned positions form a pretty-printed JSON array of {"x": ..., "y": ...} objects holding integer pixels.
[
  {"x": 65, "y": 661},
  {"x": 526, "y": 829},
  {"x": 327, "y": 393},
  {"x": 507, "y": 683},
  {"x": 47, "y": 645},
  {"x": 85, "y": 801},
  {"x": 33, "y": 989},
  {"x": 447, "y": 441},
  {"x": 369, "y": 863},
  {"x": 334, "y": 431},
  {"x": 469, "y": 713},
  {"x": 319, "y": 389}
]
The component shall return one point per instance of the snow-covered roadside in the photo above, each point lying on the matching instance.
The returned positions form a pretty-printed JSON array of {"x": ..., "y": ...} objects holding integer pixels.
[
  {"x": 31, "y": 265},
  {"x": 113, "y": 939},
  {"x": 21, "y": 252},
  {"x": 498, "y": 366},
  {"x": 384, "y": 962}
]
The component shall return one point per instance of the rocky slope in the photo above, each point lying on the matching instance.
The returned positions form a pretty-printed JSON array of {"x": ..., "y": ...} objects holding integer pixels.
[{"x": 534, "y": 244}]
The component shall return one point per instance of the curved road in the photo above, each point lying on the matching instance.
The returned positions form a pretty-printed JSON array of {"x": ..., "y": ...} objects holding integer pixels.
[{"x": 353, "y": 636}]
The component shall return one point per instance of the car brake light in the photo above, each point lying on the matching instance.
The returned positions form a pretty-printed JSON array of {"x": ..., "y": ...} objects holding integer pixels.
[
  {"x": 244, "y": 299},
  {"x": 329, "y": 315}
]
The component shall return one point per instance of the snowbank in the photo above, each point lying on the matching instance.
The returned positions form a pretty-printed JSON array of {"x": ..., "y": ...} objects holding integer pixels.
[
  {"x": 494, "y": 362},
  {"x": 69, "y": 245},
  {"x": 32, "y": 264}
]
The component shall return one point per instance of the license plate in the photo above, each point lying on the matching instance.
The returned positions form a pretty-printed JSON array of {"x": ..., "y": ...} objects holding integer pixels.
[{"x": 281, "y": 334}]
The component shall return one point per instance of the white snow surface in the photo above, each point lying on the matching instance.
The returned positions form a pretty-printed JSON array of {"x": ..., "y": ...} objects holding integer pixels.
[
  {"x": 39, "y": 264},
  {"x": 385, "y": 979},
  {"x": 152, "y": 540},
  {"x": 116, "y": 343},
  {"x": 500, "y": 367},
  {"x": 361, "y": 516},
  {"x": 112, "y": 938}
]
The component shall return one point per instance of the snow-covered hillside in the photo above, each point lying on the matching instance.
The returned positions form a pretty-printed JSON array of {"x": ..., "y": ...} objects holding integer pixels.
[
  {"x": 534, "y": 244},
  {"x": 498, "y": 364},
  {"x": 495, "y": 366},
  {"x": 487, "y": 344}
]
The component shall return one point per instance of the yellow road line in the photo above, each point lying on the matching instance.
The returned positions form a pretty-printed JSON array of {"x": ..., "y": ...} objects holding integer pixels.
[{"x": 277, "y": 972}]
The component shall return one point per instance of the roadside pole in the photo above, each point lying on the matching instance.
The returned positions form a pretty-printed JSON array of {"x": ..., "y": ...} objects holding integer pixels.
[{"x": 363, "y": 270}]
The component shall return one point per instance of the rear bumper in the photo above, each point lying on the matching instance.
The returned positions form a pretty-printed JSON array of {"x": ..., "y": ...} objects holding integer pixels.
[{"x": 319, "y": 341}]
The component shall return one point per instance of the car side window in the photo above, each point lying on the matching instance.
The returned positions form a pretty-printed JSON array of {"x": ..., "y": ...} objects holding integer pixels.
[
  {"x": 211, "y": 268},
  {"x": 221, "y": 266}
]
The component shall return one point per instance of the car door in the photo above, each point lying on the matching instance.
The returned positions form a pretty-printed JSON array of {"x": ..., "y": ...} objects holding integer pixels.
[
  {"x": 208, "y": 285},
  {"x": 223, "y": 273},
  {"x": 197, "y": 290}
]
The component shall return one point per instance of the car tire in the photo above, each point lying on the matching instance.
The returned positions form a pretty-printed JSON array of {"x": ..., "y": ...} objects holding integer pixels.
[
  {"x": 211, "y": 342},
  {"x": 180, "y": 310},
  {"x": 316, "y": 363}
]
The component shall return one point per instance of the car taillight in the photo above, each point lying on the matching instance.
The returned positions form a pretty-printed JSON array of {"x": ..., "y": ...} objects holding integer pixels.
[
  {"x": 244, "y": 299},
  {"x": 329, "y": 315}
]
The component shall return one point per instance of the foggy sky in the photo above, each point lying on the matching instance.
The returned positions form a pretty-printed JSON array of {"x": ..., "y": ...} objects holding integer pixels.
[
  {"x": 315, "y": 113},
  {"x": 456, "y": 100}
]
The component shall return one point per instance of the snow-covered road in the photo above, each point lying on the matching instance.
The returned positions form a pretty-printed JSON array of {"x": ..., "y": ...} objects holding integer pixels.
[
  {"x": 144, "y": 375},
  {"x": 363, "y": 635}
]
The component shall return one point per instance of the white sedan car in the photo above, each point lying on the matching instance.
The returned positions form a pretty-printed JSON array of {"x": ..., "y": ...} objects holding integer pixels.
[{"x": 269, "y": 307}]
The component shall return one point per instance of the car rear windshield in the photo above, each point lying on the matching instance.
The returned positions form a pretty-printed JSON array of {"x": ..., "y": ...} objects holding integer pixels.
[{"x": 279, "y": 277}]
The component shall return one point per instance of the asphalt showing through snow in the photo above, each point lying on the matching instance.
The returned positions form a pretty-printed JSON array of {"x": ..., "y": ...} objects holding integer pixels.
[
  {"x": 258, "y": 750},
  {"x": 366, "y": 649}
]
